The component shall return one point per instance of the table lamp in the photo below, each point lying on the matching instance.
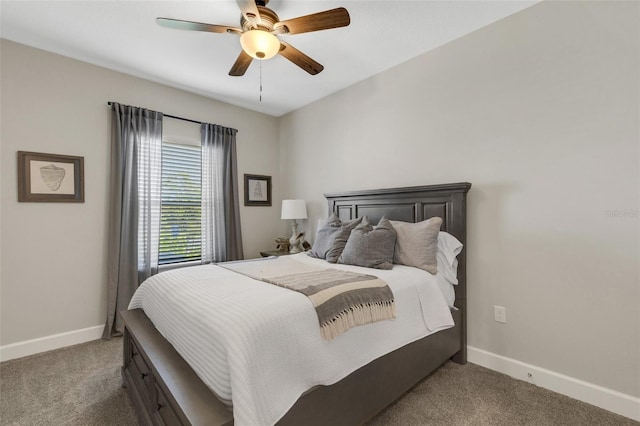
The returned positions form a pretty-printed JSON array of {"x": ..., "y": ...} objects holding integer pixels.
[{"x": 294, "y": 209}]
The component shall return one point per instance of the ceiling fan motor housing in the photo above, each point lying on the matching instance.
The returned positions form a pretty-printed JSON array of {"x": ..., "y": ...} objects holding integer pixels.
[{"x": 268, "y": 19}]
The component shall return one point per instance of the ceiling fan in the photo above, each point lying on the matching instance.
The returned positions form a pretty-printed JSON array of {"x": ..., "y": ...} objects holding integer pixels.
[{"x": 260, "y": 27}]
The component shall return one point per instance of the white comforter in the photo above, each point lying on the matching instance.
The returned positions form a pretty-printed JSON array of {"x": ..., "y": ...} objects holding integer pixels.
[{"x": 259, "y": 345}]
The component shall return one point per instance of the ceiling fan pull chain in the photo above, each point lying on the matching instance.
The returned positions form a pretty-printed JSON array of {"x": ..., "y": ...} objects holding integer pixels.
[{"x": 260, "y": 81}]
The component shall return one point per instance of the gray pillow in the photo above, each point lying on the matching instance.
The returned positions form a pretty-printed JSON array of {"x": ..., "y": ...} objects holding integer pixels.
[
  {"x": 417, "y": 244},
  {"x": 331, "y": 238},
  {"x": 371, "y": 247}
]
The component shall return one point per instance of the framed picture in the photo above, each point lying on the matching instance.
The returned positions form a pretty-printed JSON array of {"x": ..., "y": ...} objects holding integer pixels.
[
  {"x": 257, "y": 190},
  {"x": 50, "y": 177}
]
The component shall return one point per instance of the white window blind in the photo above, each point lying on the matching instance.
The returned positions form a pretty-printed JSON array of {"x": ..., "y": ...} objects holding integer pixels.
[{"x": 180, "y": 233}]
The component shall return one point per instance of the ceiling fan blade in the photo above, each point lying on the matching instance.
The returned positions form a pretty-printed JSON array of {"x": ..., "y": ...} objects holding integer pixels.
[
  {"x": 240, "y": 66},
  {"x": 250, "y": 11},
  {"x": 196, "y": 26},
  {"x": 300, "y": 59},
  {"x": 334, "y": 18}
]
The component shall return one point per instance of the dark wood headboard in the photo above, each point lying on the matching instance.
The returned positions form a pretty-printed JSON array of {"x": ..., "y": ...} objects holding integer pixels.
[{"x": 414, "y": 204}]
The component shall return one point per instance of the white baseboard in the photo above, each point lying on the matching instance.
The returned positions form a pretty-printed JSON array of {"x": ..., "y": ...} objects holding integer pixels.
[
  {"x": 47, "y": 343},
  {"x": 608, "y": 399}
]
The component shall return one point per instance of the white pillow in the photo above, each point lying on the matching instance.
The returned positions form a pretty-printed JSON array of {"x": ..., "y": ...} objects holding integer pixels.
[{"x": 448, "y": 249}]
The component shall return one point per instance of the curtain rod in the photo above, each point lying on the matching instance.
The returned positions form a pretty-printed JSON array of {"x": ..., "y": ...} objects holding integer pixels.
[{"x": 172, "y": 116}]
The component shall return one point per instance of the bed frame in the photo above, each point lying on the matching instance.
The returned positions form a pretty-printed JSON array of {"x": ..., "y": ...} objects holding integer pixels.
[{"x": 166, "y": 391}]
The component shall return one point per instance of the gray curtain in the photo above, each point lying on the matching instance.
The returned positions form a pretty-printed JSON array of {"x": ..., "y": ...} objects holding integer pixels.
[
  {"x": 134, "y": 206},
  {"x": 221, "y": 235}
]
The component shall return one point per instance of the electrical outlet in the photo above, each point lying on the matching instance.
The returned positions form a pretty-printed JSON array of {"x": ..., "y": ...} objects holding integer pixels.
[{"x": 500, "y": 314}]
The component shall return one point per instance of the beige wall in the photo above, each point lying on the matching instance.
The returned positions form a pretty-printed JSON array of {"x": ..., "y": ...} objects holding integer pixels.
[
  {"x": 54, "y": 254},
  {"x": 540, "y": 112}
]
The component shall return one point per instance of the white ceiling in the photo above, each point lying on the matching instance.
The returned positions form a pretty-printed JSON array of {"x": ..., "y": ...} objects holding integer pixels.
[{"x": 123, "y": 36}]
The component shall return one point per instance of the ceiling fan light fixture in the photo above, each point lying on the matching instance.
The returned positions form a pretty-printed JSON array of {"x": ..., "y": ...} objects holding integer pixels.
[{"x": 260, "y": 44}]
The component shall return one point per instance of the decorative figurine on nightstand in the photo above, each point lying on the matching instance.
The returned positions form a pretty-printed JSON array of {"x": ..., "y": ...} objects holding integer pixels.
[{"x": 282, "y": 244}]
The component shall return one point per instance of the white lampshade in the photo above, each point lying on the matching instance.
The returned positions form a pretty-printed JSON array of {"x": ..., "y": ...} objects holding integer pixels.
[
  {"x": 294, "y": 209},
  {"x": 260, "y": 44}
]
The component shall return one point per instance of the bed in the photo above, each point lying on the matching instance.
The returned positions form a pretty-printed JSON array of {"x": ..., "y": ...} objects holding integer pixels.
[{"x": 166, "y": 390}]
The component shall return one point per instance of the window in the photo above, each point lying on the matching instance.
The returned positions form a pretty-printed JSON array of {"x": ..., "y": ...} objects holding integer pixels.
[{"x": 180, "y": 232}]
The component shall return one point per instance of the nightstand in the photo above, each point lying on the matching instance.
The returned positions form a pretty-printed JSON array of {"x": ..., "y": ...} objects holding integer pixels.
[{"x": 274, "y": 253}]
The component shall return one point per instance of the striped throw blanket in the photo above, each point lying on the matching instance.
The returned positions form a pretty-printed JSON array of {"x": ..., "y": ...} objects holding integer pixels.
[{"x": 342, "y": 299}]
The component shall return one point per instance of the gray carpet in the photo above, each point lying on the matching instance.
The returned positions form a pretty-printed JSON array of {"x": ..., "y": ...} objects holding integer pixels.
[
  {"x": 80, "y": 385},
  {"x": 77, "y": 385}
]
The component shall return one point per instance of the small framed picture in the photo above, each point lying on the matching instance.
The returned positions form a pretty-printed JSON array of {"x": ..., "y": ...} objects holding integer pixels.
[
  {"x": 50, "y": 177},
  {"x": 257, "y": 190}
]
